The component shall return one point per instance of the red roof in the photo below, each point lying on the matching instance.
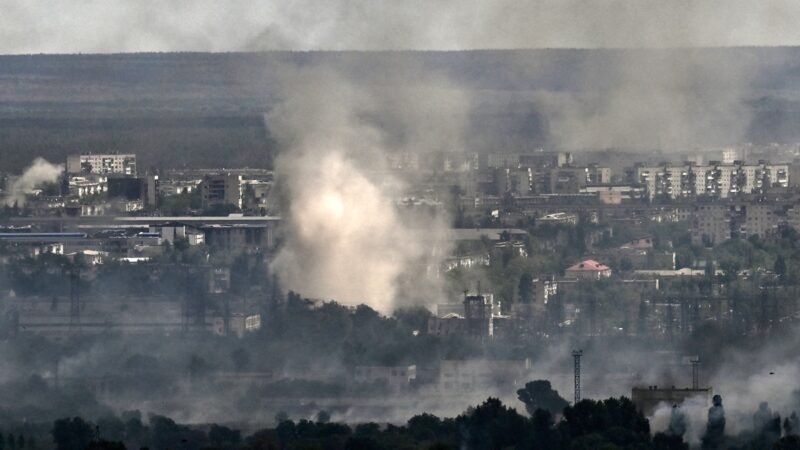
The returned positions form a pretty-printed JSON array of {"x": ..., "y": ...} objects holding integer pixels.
[{"x": 589, "y": 265}]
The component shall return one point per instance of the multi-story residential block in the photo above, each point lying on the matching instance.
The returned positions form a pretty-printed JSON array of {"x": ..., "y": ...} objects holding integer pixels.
[
  {"x": 102, "y": 163},
  {"x": 615, "y": 194},
  {"x": 714, "y": 180},
  {"x": 570, "y": 180},
  {"x": 762, "y": 219},
  {"x": 712, "y": 224}
]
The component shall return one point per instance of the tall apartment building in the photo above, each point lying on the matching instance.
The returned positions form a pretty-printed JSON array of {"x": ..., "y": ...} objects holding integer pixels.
[
  {"x": 714, "y": 180},
  {"x": 715, "y": 223},
  {"x": 223, "y": 189},
  {"x": 761, "y": 219},
  {"x": 102, "y": 164},
  {"x": 712, "y": 224}
]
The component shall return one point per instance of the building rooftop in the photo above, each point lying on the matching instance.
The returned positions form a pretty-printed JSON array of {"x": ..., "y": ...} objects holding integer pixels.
[{"x": 589, "y": 265}]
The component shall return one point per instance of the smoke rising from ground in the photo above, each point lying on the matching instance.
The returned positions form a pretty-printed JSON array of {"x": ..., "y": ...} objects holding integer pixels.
[
  {"x": 119, "y": 26},
  {"x": 39, "y": 172},
  {"x": 674, "y": 100},
  {"x": 345, "y": 239}
]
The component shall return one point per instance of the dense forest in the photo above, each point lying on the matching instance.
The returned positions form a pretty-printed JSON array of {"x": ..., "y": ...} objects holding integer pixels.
[{"x": 184, "y": 109}]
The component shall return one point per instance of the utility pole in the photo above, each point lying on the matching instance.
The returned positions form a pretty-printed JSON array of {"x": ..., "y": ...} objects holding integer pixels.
[
  {"x": 576, "y": 355},
  {"x": 695, "y": 372},
  {"x": 74, "y": 299}
]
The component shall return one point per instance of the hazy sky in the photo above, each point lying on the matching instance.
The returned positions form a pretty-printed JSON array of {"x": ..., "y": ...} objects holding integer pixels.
[{"x": 58, "y": 26}]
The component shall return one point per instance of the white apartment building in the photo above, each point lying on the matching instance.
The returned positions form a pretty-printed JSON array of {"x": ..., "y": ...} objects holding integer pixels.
[
  {"x": 714, "y": 180},
  {"x": 102, "y": 163}
]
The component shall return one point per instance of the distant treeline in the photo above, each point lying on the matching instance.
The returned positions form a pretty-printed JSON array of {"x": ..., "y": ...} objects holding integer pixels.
[
  {"x": 606, "y": 424},
  {"x": 186, "y": 109}
]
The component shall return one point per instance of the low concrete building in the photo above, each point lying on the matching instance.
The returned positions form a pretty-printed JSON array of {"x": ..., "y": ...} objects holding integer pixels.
[
  {"x": 446, "y": 325},
  {"x": 647, "y": 399},
  {"x": 394, "y": 376},
  {"x": 483, "y": 373}
]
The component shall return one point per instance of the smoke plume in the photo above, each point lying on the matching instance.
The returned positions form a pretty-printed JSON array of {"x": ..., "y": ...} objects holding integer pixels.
[
  {"x": 36, "y": 174},
  {"x": 673, "y": 100},
  {"x": 345, "y": 238},
  {"x": 147, "y": 25}
]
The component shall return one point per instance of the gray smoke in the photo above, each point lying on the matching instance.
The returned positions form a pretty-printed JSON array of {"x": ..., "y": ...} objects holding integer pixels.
[
  {"x": 120, "y": 26},
  {"x": 345, "y": 239},
  {"x": 38, "y": 173},
  {"x": 672, "y": 100}
]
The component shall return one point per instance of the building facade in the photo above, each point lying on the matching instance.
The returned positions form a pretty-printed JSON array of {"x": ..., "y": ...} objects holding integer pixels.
[
  {"x": 225, "y": 189},
  {"x": 102, "y": 164}
]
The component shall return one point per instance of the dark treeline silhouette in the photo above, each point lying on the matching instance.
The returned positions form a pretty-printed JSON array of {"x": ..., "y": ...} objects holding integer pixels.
[{"x": 610, "y": 424}]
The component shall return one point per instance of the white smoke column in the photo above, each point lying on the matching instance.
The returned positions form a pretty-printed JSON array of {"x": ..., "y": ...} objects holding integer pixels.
[
  {"x": 36, "y": 174},
  {"x": 346, "y": 241},
  {"x": 344, "y": 237}
]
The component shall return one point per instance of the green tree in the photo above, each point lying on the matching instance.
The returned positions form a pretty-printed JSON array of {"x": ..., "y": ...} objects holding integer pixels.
[
  {"x": 780, "y": 266},
  {"x": 539, "y": 394},
  {"x": 222, "y": 436},
  {"x": 323, "y": 416},
  {"x": 103, "y": 444},
  {"x": 525, "y": 289},
  {"x": 72, "y": 434}
]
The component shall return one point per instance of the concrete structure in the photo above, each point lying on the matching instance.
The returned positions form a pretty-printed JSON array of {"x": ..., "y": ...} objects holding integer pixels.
[
  {"x": 647, "y": 399},
  {"x": 570, "y": 180},
  {"x": 102, "y": 163},
  {"x": 170, "y": 232},
  {"x": 720, "y": 180},
  {"x": 560, "y": 218},
  {"x": 177, "y": 187},
  {"x": 394, "y": 376},
  {"x": 483, "y": 373},
  {"x": 239, "y": 237},
  {"x": 255, "y": 194},
  {"x": 449, "y": 324},
  {"x": 712, "y": 224},
  {"x": 762, "y": 219},
  {"x": 87, "y": 186},
  {"x": 615, "y": 194},
  {"x": 223, "y": 189}
]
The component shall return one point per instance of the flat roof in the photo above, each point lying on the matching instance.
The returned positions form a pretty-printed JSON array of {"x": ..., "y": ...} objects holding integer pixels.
[
  {"x": 185, "y": 219},
  {"x": 138, "y": 220}
]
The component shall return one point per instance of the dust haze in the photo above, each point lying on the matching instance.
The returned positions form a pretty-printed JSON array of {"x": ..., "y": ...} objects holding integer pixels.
[
  {"x": 344, "y": 238},
  {"x": 119, "y": 26}
]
